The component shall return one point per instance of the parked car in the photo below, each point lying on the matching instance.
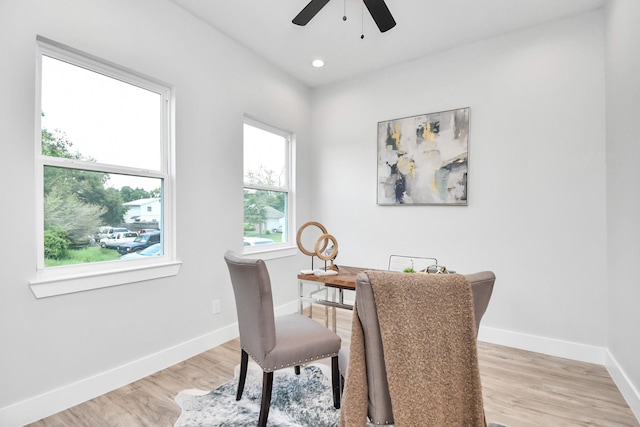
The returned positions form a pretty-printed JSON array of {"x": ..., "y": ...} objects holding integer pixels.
[
  {"x": 147, "y": 230},
  {"x": 141, "y": 242},
  {"x": 257, "y": 241},
  {"x": 106, "y": 231},
  {"x": 113, "y": 241},
  {"x": 278, "y": 229},
  {"x": 153, "y": 250}
]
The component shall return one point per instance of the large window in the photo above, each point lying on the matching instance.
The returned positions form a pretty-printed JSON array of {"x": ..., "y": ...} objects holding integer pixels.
[
  {"x": 267, "y": 186},
  {"x": 104, "y": 165}
]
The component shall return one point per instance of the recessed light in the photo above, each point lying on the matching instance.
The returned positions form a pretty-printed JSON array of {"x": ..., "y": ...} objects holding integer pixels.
[{"x": 317, "y": 63}]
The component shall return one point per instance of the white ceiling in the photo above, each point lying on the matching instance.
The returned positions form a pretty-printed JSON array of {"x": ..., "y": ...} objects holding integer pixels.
[{"x": 423, "y": 27}]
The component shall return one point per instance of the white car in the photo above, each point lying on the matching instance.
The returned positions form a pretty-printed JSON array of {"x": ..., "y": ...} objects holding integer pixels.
[
  {"x": 116, "y": 239},
  {"x": 257, "y": 241},
  {"x": 105, "y": 232}
]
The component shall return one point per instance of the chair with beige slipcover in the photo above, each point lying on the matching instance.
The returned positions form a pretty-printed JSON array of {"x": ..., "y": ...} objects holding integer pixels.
[{"x": 379, "y": 406}]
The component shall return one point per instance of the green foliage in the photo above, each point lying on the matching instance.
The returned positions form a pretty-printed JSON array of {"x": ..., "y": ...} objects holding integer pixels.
[
  {"x": 128, "y": 194},
  {"x": 77, "y": 203},
  {"x": 57, "y": 145},
  {"x": 76, "y": 200},
  {"x": 263, "y": 177},
  {"x": 268, "y": 177},
  {"x": 255, "y": 204},
  {"x": 409, "y": 269},
  {"x": 84, "y": 255},
  {"x": 55, "y": 243},
  {"x": 88, "y": 185},
  {"x": 114, "y": 205},
  {"x": 64, "y": 210}
]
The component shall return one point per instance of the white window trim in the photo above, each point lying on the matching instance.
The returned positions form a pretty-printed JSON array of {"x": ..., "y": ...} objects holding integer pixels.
[
  {"x": 54, "y": 281},
  {"x": 290, "y": 247}
]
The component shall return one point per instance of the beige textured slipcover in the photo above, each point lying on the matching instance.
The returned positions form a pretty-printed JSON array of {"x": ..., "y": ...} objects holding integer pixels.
[{"x": 428, "y": 338}]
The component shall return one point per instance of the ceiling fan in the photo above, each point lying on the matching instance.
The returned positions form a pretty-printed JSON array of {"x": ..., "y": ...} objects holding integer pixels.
[{"x": 377, "y": 8}]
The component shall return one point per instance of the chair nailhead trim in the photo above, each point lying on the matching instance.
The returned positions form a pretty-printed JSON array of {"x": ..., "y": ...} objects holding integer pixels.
[{"x": 275, "y": 368}]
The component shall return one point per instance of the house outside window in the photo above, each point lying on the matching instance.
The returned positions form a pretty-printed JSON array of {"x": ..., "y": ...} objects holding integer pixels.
[
  {"x": 103, "y": 146},
  {"x": 267, "y": 186}
]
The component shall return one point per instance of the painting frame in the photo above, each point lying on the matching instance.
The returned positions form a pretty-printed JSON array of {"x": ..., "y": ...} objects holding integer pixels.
[{"x": 424, "y": 159}]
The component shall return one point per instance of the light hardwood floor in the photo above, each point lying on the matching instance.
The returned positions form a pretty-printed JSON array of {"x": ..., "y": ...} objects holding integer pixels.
[{"x": 520, "y": 389}]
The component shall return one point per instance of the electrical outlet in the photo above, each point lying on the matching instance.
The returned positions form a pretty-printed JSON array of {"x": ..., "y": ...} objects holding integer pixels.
[{"x": 215, "y": 306}]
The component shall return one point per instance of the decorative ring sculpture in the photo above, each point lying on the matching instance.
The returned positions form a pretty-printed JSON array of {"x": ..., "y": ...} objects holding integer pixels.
[
  {"x": 325, "y": 238},
  {"x": 299, "y": 240}
]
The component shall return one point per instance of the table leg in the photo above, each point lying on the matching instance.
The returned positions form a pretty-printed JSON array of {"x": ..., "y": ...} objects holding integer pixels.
[
  {"x": 333, "y": 310},
  {"x": 300, "y": 295}
]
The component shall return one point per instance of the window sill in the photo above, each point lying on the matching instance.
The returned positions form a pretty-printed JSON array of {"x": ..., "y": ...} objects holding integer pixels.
[
  {"x": 49, "y": 285},
  {"x": 265, "y": 252}
]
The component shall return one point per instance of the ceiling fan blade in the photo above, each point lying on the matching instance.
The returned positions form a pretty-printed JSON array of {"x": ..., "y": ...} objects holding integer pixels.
[
  {"x": 380, "y": 14},
  {"x": 309, "y": 12}
]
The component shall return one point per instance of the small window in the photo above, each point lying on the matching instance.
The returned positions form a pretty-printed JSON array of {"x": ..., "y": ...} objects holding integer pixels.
[{"x": 267, "y": 185}]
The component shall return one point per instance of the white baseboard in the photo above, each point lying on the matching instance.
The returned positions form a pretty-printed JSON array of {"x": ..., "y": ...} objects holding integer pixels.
[
  {"x": 288, "y": 308},
  {"x": 629, "y": 392},
  {"x": 54, "y": 401},
  {"x": 549, "y": 346},
  {"x": 57, "y": 400},
  {"x": 568, "y": 350}
]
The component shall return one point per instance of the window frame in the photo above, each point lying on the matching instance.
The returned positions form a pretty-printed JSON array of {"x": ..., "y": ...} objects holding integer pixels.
[
  {"x": 283, "y": 248},
  {"x": 51, "y": 281}
]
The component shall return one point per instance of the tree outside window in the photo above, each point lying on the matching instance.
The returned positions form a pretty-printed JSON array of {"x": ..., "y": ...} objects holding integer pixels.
[
  {"x": 266, "y": 184},
  {"x": 103, "y": 134}
]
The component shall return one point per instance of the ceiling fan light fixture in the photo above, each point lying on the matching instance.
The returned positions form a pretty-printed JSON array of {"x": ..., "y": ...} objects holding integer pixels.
[{"x": 317, "y": 63}]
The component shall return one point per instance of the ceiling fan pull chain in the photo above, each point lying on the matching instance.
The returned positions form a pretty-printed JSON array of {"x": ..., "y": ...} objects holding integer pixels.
[
  {"x": 362, "y": 22},
  {"x": 344, "y": 15}
]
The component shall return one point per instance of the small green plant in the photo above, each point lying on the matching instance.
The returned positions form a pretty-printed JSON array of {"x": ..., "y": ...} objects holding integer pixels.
[
  {"x": 55, "y": 243},
  {"x": 409, "y": 269}
]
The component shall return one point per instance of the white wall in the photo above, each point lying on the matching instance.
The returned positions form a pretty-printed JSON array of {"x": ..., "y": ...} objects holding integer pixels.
[
  {"x": 59, "y": 351},
  {"x": 536, "y": 213},
  {"x": 552, "y": 206},
  {"x": 623, "y": 204}
]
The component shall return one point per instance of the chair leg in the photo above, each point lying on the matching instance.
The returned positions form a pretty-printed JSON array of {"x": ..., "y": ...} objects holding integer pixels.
[
  {"x": 267, "y": 385},
  {"x": 297, "y": 369},
  {"x": 244, "y": 362},
  {"x": 335, "y": 381}
]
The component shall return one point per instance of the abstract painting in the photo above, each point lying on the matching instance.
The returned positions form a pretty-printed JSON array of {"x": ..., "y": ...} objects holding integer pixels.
[{"x": 424, "y": 160}]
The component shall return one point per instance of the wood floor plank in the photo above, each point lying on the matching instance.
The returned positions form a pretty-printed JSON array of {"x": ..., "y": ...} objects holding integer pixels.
[{"x": 520, "y": 389}]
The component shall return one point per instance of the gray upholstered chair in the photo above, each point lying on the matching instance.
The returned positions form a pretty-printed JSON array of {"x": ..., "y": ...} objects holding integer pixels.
[
  {"x": 275, "y": 342},
  {"x": 380, "y": 409}
]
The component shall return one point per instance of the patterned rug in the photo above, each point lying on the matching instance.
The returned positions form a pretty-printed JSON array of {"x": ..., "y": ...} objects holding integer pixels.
[{"x": 303, "y": 400}]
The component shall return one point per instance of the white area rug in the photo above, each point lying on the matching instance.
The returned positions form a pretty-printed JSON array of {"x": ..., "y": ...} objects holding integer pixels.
[{"x": 303, "y": 400}]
